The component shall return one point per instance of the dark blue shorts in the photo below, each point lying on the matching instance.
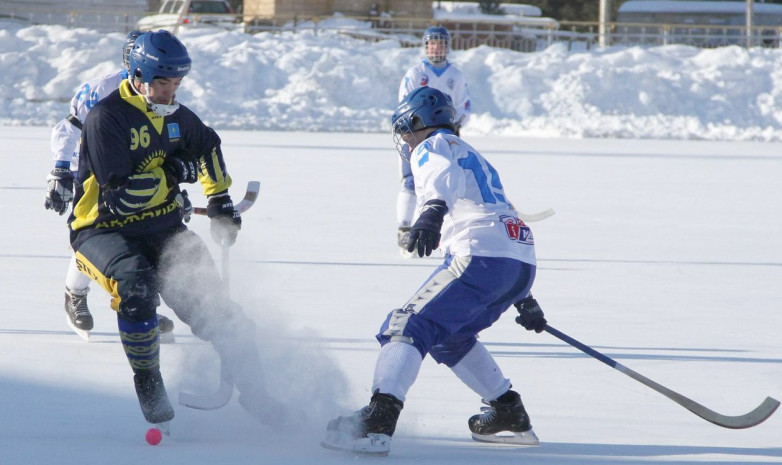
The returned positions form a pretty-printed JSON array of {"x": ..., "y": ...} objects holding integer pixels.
[{"x": 464, "y": 296}]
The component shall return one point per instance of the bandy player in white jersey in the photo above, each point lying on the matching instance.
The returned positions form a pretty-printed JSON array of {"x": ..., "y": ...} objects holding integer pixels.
[
  {"x": 437, "y": 72},
  {"x": 489, "y": 266},
  {"x": 59, "y": 191}
]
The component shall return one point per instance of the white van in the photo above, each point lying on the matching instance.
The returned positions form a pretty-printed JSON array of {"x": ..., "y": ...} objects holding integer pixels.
[{"x": 177, "y": 13}]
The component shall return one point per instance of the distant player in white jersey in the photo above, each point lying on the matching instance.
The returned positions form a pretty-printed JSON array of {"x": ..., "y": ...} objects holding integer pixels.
[
  {"x": 59, "y": 191},
  {"x": 489, "y": 266},
  {"x": 434, "y": 71}
]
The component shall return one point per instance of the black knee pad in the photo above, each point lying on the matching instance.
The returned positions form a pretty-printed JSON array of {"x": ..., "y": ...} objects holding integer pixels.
[{"x": 138, "y": 295}]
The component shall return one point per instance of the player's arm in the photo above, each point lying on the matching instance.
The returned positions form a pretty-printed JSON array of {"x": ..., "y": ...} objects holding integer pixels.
[
  {"x": 440, "y": 183},
  {"x": 64, "y": 143},
  {"x": 204, "y": 145},
  {"x": 59, "y": 182},
  {"x": 214, "y": 178}
]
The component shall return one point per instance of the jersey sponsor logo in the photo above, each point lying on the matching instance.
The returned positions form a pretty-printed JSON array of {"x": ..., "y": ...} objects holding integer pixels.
[
  {"x": 517, "y": 230},
  {"x": 173, "y": 131},
  {"x": 135, "y": 218},
  {"x": 451, "y": 83}
]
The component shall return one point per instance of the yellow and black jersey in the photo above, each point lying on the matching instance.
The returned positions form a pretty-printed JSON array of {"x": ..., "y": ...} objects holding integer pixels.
[{"x": 123, "y": 148}]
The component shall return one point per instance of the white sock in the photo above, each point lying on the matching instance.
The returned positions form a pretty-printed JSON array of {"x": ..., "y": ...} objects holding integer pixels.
[
  {"x": 396, "y": 369},
  {"x": 405, "y": 208},
  {"x": 480, "y": 372},
  {"x": 75, "y": 280}
]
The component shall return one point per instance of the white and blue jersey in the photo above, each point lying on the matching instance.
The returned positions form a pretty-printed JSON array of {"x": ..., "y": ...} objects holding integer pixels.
[
  {"x": 490, "y": 253},
  {"x": 481, "y": 220},
  {"x": 67, "y": 132},
  {"x": 447, "y": 79}
]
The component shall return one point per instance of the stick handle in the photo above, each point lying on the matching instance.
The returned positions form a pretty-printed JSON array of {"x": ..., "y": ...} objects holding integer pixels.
[{"x": 582, "y": 347}]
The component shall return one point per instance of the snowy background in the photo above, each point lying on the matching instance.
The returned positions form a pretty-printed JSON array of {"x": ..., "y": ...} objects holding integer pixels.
[
  {"x": 335, "y": 83},
  {"x": 664, "y": 252}
]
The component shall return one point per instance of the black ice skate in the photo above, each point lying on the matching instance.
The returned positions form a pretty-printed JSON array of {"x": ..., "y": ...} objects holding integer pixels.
[
  {"x": 152, "y": 396},
  {"x": 367, "y": 431},
  {"x": 505, "y": 421},
  {"x": 79, "y": 317}
]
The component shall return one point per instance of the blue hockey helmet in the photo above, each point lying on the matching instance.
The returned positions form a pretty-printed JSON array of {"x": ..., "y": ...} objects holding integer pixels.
[
  {"x": 158, "y": 54},
  {"x": 130, "y": 39},
  {"x": 440, "y": 37},
  {"x": 423, "y": 108}
]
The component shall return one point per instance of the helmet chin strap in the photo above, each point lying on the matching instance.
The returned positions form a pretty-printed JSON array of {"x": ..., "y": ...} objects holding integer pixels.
[{"x": 161, "y": 109}]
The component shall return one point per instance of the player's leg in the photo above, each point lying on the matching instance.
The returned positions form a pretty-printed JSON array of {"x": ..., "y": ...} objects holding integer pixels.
[
  {"x": 505, "y": 419},
  {"x": 125, "y": 269},
  {"x": 455, "y": 296},
  {"x": 77, "y": 284}
]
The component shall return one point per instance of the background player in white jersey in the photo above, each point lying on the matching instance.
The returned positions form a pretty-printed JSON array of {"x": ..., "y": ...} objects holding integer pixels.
[
  {"x": 59, "y": 191},
  {"x": 434, "y": 71},
  {"x": 489, "y": 265}
]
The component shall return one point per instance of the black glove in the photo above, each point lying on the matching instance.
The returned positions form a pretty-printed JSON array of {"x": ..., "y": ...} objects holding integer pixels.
[
  {"x": 530, "y": 315},
  {"x": 181, "y": 170},
  {"x": 425, "y": 233},
  {"x": 59, "y": 190},
  {"x": 187, "y": 206},
  {"x": 226, "y": 221}
]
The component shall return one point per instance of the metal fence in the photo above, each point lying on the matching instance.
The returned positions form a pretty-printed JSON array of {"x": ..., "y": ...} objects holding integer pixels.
[
  {"x": 101, "y": 20},
  {"x": 528, "y": 35}
]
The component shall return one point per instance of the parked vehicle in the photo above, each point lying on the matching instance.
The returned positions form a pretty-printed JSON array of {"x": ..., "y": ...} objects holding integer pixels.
[{"x": 177, "y": 13}]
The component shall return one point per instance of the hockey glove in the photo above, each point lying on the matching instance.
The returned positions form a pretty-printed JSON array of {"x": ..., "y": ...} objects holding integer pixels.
[
  {"x": 181, "y": 170},
  {"x": 530, "y": 315},
  {"x": 425, "y": 233},
  {"x": 187, "y": 206},
  {"x": 226, "y": 221},
  {"x": 59, "y": 190}
]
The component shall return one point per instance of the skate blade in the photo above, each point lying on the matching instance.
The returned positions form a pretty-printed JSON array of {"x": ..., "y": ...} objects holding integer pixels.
[
  {"x": 373, "y": 444},
  {"x": 167, "y": 338},
  {"x": 526, "y": 438},
  {"x": 82, "y": 333}
]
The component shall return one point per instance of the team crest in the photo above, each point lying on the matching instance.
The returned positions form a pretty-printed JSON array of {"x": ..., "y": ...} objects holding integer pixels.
[
  {"x": 517, "y": 230},
  {"x": 424, "y": 80}
]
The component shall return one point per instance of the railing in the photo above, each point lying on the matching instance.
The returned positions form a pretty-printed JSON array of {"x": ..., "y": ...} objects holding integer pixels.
[
  {"x": 101, "y": 20},
  {"x": 528, "y": 36},
  {"x": 525, "y": 34}
]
